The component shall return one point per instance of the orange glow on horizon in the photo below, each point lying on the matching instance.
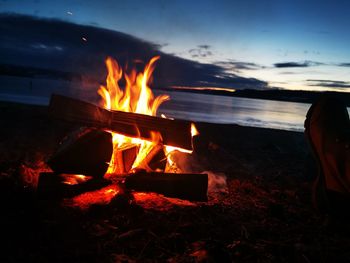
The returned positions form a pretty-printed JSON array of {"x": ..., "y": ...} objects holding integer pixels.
[{"x": 204, "y": 88}]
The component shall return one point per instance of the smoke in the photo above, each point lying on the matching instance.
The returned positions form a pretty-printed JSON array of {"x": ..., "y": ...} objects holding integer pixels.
[
  {"x": 188, "y": 163},
  {"x": 216, "y": 182}
]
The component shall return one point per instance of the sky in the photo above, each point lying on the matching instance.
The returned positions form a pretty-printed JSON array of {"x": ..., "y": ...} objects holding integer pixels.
[{"x": 288, "y": 44}]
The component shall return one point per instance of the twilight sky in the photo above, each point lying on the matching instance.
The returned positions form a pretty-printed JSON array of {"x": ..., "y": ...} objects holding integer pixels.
[{"x": 289, "y": 44}]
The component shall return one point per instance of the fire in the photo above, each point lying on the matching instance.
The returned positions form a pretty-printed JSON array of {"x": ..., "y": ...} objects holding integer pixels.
[
  {"x": 73, "y": 179},
  {"x": 136, "y": 96}
]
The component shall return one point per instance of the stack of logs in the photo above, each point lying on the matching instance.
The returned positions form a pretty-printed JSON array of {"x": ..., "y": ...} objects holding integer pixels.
[{"x": 88, "y": 151}]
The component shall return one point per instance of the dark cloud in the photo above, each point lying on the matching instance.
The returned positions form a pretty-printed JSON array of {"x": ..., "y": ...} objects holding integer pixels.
[
  {"x": 303, "y": 64},
  {"x": 298, "y": 72},
  {"x": 344, "y": 64},
  {"x": 239, "y": 65},
  {"x": 163, "y": 45},
  {"x": 204, "y": 46},
  {"x": 58, "y": 45},
  {"x": 94, "y": 24},
  {"x": 201, "y": 51},
  {"x": 329, "y": 83},
  {"x": 288, "y": 73}
]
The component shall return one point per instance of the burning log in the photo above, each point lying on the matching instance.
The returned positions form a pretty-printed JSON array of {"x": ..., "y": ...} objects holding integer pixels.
[
  {"x": 191, "y": 187},
  {"x": 173, "y": 132},
  {"x": 123, "y": 159},
  {"x": 155, "y": 160},
  {"x": 86, "y": 151}
]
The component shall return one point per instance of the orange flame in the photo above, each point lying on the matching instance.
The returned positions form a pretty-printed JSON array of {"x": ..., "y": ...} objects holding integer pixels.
[{"x": 135, "y": 97}]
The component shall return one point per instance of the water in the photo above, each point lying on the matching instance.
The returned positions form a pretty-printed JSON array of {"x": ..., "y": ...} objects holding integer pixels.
[
  {"x": 189, "y": 106},
  {"x": 247, "y": 112}
]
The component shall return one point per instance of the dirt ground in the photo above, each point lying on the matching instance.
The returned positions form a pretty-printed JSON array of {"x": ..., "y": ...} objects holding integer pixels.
[{"x": 263, "y": 215}]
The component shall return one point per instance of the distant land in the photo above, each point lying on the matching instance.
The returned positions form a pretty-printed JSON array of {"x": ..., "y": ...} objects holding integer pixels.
[
  {"x": 270, "y": 94},
  {"x": 276, "y": 94}
]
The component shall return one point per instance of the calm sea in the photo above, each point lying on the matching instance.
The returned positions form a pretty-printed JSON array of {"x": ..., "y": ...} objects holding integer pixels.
[
  {"x": 183, "y": 105},
  {"x": 247, "y": 112}
]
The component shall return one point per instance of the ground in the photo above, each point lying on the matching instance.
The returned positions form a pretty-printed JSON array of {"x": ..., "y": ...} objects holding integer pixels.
[{"x": 265, "y": 214}]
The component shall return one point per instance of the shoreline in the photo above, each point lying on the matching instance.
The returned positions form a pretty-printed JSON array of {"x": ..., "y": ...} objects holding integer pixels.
[{"x": 250, "y": 121}]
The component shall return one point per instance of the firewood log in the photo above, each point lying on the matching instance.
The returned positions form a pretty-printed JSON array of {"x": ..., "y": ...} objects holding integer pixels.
[
  {"x": 191, "y": 187},
  {"x": 86, "y": 151},
  {"x": 173, "y": 132}
]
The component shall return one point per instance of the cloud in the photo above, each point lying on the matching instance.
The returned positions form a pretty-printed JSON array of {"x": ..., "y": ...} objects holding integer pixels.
[
  {"x": 204, "y": 46},
  {"x": 314, "y": 52},
  {"x": 239, "y": 65},
  {"x": 303, "y": 64},
  {"x": 329, "y": 83},
  {"x": 201, "y": 51},
  {"x": 162, "y": 45},
  {"x": 93, "y": 23},
  {"x": 57, "y": 45},
  {"x": 344, "y": 64},
  {"x": 288, "y": 73},
  {"x": 47, "y": 48}
]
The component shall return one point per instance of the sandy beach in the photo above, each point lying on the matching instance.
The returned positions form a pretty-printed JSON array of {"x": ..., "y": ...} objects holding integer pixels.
[{"x": 264, "y": 215}]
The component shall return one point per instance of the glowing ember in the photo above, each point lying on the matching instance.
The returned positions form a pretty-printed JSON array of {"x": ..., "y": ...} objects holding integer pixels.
[
  {"x": 73, "y": 179},
  {"x": 98, "y": 197},
  {"x": 159, "y": 202},
  {"x": 135, "y": 97}
]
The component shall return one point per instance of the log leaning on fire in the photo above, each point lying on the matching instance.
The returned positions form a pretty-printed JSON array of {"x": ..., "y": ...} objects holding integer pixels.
[{"x": 174, "y": 132}]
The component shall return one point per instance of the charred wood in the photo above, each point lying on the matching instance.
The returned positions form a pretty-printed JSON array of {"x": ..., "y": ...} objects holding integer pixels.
[
  {"x": 191, "y": 187},
  {"x": 155, "y": 160},
  {"x": 123, "y": 159},
  {"x": 86, "y": 151}
]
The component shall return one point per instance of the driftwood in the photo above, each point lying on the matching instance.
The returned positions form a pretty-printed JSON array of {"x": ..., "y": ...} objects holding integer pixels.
[
  {"x": 173, "y": 132},
  {"x": 191, "y": 187}
]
